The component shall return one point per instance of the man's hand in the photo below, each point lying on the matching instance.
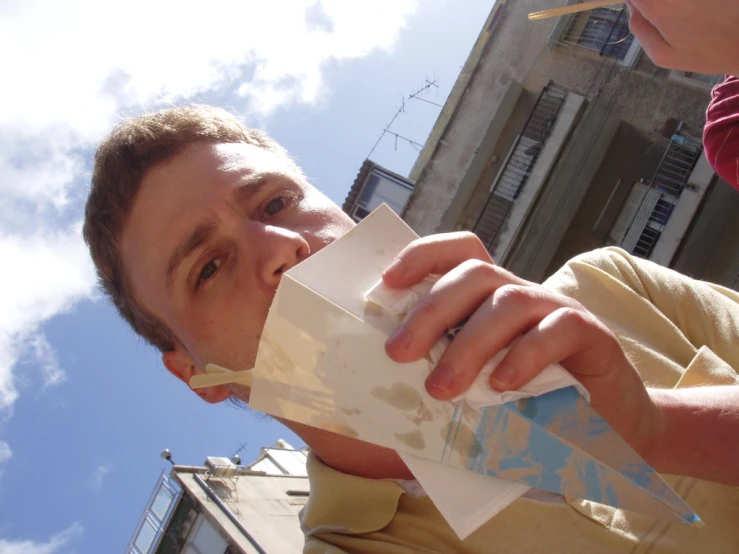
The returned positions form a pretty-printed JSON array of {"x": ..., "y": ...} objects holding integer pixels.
[
  {"x": 688, "y": 35},
  {"x": 549, "y": 328}
]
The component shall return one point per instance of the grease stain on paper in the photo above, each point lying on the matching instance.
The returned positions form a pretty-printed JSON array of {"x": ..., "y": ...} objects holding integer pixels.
[
  {"x": 412, "y": 439},
  {"x": 400, "y": 396}
]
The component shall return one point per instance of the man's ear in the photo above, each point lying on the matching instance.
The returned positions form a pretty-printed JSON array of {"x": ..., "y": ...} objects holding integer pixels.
[{"x": 180, "y": 365}]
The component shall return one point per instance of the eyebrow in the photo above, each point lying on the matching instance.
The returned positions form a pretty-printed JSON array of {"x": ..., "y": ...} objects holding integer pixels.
[
  {"x": 194, "y": 240},
  {"x": 249, "y": 185},
  {"x": 252, "y": 184}
]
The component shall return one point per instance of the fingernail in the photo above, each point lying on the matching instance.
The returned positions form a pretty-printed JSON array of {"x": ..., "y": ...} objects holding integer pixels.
[
  {"x": 395, "y": 269},
  {"x": 400, "y": 339},
  {"x": 503, "y": 376},
  {"x": 442, "y": 379}
]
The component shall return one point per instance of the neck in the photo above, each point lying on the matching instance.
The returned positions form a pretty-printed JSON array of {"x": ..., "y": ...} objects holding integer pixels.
[{"x": 351, "y": 456}]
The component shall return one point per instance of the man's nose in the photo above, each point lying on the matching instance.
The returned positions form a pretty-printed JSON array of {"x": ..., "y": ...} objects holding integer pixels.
[{"x": 281, "y": 250}]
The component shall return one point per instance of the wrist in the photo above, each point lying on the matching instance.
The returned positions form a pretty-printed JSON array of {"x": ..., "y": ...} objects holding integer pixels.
[{"x": 652, "y": 428}]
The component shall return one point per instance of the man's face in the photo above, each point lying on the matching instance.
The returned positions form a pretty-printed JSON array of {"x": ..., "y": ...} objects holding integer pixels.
[{"x": 210, "y": 234}]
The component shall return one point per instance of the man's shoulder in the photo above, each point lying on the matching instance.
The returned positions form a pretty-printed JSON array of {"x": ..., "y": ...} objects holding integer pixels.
[{"x": 608, "y": 263}]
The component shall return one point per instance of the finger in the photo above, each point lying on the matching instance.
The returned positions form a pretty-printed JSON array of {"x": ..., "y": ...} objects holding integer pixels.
[
  {"x": 588, "y": 350},
  {"x": 511, "y": 311},
  {"x": 654, "y": 44},
  {"x": 437, "y": 254},
  {"x": 559, "y": 336},
  {"x": 452, "y": 298}
]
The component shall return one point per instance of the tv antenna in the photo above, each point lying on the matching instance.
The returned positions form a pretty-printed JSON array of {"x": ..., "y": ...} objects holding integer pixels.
[
  {"x": 429, "y": 84},
  {"x": 242, "y": 446}
]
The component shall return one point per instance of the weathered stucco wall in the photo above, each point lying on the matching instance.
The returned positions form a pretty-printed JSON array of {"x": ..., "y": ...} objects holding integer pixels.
[
  {"x": 710, "y": 249},
  {"x": 517, "y": 51},
  {"x": 508, "y": 55}
]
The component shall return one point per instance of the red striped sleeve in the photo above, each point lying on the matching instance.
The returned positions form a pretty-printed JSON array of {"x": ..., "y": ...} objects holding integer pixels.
[{"x": 721, "y": 133}]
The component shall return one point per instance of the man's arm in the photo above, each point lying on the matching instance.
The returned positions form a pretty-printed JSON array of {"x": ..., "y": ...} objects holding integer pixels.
[
  {"x": 698, "y": 426},
  {"x": 699, "y": 433}
]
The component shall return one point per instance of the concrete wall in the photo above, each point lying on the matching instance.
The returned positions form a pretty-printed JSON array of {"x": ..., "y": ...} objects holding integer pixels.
[
  {"x": 632, "y": 155},
  {"x": 507, "y": 56},
  {"x": 549, "y": 221},
  {"x": 260, "y": 503},
  {"x": 480, "y": 162},
  {"x": 710, "y": 249},
  {"x": 517, "y": 51}
]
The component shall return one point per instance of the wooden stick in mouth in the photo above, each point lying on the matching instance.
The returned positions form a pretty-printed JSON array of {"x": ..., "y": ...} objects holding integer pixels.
[
  {"x": 574, "y": 8},
  {"x": 216, "y": 375}
]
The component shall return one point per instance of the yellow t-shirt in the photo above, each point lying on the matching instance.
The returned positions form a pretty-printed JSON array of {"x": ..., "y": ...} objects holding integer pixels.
[{"x": 678, "y": 333}]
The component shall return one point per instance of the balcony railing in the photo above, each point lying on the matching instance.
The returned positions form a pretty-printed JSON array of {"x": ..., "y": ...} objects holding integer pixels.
[{"x": 513, "y": 176}]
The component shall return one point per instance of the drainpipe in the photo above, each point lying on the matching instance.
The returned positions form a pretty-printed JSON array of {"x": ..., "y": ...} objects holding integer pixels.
[{"x": 229, "y": 514}]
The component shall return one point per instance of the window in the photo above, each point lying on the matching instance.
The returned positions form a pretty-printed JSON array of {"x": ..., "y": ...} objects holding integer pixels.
[
  {"x": 204, "y": 539},
  {"x": 162, "y": 502},
  {"x": 603, "y": 30},
  {"x": 382, "y": 188},
  {"x": 145, "y": 538},
  {"x": 650, "y": 204}
]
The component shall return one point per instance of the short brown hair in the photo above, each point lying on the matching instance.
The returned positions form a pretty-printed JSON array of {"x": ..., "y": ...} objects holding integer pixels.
[{"x": 121, "y": 162}]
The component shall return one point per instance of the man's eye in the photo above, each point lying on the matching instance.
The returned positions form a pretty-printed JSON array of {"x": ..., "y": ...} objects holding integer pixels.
[
  {"x": 209, "y": 270},
  {"x": 275, "y": 206}
]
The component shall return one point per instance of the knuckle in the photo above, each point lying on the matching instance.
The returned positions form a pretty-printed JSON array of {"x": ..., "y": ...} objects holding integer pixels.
[
  {"x": 511, "y": 294},
  {"x": 411, "y": 252},
  {"x": 475, "y": 243},
  {"x": 577, "y": 318},
  {"x": 469, "y": 236},
  {"x": 476, "y": 268}
]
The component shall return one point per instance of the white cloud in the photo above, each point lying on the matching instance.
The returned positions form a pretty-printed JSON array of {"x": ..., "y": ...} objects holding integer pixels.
[
  {"x": 28, "y": 546},
  {"x": 43, "y": 275},
  {"x": 5, "y": 452},
  {"x": 99, "y": 475},
  {"x": 73, "y": 68}
]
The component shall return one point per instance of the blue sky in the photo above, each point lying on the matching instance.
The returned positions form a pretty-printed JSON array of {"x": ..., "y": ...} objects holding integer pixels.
[{"x": 85, "y": 406}]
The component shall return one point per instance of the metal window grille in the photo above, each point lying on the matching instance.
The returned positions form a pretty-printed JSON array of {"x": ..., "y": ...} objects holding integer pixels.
[
  {"x": 604, "y": 30},
  {"x": 513, "y": 176},
  {"x": 703, "y": 78},
  {"x": 650, "y": 205},
  {"x": 676, "y": 165}
]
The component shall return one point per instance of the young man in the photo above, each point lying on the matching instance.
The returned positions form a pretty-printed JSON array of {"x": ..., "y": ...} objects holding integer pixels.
[{"x": 191, "y": 221}]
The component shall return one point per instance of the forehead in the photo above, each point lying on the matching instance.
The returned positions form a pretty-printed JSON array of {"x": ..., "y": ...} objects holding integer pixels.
[
  {"x": 200, "y": 160},
  {"x": 181, "y": 187}
]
